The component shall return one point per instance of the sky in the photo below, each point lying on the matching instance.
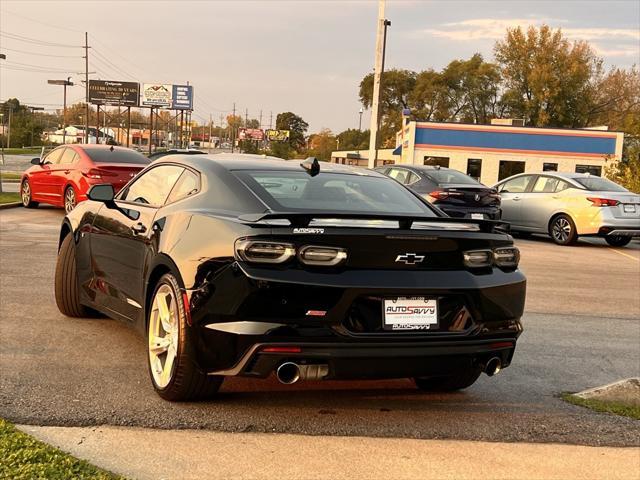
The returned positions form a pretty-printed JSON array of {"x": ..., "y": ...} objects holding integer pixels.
[{"x": 273, "y": 56}]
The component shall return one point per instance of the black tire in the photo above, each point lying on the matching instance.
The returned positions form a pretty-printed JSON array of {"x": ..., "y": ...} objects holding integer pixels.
[
  {"x": 617, "y": 240},
  {"x": 562, "y": 230},
  {"x": 449, "y": 383},
  {"x": 187, "y": 382},
  {"x": 67, "y": 289},
  {"x": 25, "y": 195},
  {"x": 70, "y": 199}
]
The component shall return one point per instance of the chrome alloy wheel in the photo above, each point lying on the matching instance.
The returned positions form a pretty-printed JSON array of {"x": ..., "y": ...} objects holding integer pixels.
[
  {"x": 561, "y": 230},
  {"x": 163, "y": 336},
  {"x": 26, "y": 193},
  {"x": 69, "y": 199}
]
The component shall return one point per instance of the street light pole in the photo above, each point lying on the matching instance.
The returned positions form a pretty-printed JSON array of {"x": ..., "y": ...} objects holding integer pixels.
[
  {"x": 65, "y": 83},
  {"x": 360, "y": 121},
  {"x": 377, "y": 77}
]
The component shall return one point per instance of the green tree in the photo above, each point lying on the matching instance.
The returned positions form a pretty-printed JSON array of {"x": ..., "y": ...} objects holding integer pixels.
[
  {"x": 297, "y": 129},
  {"x": 25, "y": 128},
  {"x": 548, "y": 79},
  {"x": 352, "y": 139}
]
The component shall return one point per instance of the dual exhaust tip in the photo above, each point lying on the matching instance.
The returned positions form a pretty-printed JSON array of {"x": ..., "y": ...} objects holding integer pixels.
[{"x": 290, "y": 372}]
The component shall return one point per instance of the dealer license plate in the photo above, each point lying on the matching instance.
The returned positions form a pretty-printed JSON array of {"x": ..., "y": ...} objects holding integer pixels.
[
  {"x": 629, "y": 208},
  {"x": 477, "y": 216},
  {"x": 410, "y": 313}
]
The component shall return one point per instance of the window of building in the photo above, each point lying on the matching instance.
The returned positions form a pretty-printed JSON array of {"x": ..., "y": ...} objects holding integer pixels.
[
  {"x": 474, "y": 167},
  {"x": 441, "y": 161},
  {"x": 509, "y": 167},
  {"x": 549, "y": 167},
  {"x": 590, "y": 169}
]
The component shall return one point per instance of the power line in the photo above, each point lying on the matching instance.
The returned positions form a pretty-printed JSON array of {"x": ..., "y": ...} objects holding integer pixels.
[
  {"x": 25, "y": 69},
  {"x": 40, "y": 54},
  {"x": 108, "y": 63},
  {"x": 11, "y": 63},
  {"x": 35, "y": 41},
  {"x": 40, "y": 22}
]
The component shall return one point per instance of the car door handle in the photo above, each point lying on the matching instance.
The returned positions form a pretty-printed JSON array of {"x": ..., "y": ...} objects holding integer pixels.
[
  {"x": 515, "y": 199},
  {"x": 138, "y": 228}
]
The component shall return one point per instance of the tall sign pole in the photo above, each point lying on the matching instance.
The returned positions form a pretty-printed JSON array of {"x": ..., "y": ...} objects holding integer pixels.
[
  {"x": 373, "y": 137},
  {"x": 86, "y": 86}
]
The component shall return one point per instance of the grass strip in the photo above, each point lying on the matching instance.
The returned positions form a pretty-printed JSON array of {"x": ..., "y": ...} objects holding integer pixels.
[
  {"x": 22, "y": 457},
  {"x": 9, "y": 197},
  {"x": 617, "y": 408}
]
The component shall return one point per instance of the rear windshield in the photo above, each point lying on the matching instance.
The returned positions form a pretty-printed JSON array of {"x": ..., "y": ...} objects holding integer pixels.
[
  {"x": 105, "y": 155},
  {"x": 598, "y": 184},
  {"x": 450, "y": 176},
  {"x": 333, "y": 192}
]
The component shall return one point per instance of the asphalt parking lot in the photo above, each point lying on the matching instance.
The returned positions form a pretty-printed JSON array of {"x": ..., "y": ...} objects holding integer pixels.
[{"x": 582, "y": 330}]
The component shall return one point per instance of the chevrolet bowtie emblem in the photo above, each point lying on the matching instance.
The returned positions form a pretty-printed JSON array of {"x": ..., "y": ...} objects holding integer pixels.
[{"x": 410, "y": 258}]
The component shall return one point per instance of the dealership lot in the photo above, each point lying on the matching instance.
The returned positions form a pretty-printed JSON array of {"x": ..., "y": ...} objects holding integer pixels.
[{"x": 581, "y": 324}]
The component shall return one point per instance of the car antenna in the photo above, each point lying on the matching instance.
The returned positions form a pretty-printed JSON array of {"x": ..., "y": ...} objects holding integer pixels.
[
  {"x": 111, "y": 149},
  {"x": 311, "y": 165}
]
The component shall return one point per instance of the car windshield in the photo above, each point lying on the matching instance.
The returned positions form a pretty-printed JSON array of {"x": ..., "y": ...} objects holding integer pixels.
[
  {"x": 117, "y": 155},
  {"x": 598, "y": 184},
  {"x": 334, "y": 192},
  {"x": 450, "y": 176}
]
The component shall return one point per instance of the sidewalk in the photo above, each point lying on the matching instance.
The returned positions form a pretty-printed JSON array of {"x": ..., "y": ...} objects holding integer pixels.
[{"x": 198, "y": 454}]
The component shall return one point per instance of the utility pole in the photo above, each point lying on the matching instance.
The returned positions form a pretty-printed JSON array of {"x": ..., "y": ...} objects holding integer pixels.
[
  {"x": 360, "y": 121},
  {"x": 210, "y": 130},
  {"x": 86, "y": 85},
  {"x": 9, "y": 127},
  {"x": 233, "y": 133},
  {"x": 220, "y": 134},
  {"x": 377, "y": 76},
  {"x": 270, "y": 120},
  {"x": 246, "y": 114}
]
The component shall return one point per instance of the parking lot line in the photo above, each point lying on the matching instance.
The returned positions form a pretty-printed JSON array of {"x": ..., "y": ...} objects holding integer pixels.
[{"x": 625, "y": 254}]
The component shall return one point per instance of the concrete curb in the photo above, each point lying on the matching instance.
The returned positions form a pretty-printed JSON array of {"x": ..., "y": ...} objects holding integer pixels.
[
  {"x": 10, "y": 205},
  {"x": 627, "y": 388}
]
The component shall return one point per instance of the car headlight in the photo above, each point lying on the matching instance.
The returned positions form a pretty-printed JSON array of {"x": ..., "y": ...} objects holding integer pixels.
[
  {"x": 506, "y": 257},
  {"x": 260, "y": 251}
]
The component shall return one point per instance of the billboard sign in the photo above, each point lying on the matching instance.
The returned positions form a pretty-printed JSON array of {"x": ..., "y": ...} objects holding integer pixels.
[
  {"x": 106, "y": 92},
  {"x": 278, "y": 135},
  {"x": 156, "y": 95},
  {"x": 250, "y": 134},
  {"x": 182, "y": 97}
]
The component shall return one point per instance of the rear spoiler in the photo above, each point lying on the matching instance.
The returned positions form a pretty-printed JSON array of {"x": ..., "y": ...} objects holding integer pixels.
[{"x": 405, "y": 221}]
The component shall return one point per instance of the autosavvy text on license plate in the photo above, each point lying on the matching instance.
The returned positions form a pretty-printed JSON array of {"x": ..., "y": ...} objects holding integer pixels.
[{"x": 410, "y": 313}]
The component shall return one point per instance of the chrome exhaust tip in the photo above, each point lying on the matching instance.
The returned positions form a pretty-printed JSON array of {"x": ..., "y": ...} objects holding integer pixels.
[
  {"x": 288, "y": 373},
  {"x": 493, "y": 366}
]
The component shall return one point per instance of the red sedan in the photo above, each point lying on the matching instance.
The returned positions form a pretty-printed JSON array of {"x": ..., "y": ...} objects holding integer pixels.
[{"x": 63, "y": 177}]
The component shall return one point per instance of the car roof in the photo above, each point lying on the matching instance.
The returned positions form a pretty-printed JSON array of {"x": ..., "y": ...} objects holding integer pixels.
[
  {"x": 417, "y": 168},
  {"x": 244, "y": 161}
]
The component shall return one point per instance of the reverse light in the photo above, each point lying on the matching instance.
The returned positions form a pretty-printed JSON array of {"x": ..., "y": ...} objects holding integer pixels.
[
  {"x": 478, "y": 258},
  {"x": 506, "y": 257},
  {"x": 258, "y": 251},
  {"x": 327, "y": 256},
  {"x": 603, "y": 202},
  {"x": 281, "y": 349},
  {"x": 97, "y": 174}
]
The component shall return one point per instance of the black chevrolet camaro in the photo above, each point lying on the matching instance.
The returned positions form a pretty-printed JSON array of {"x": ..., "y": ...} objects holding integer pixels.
[{"x": 242, "y": 265}]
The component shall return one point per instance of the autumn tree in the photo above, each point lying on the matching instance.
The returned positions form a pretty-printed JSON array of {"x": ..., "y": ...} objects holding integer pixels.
[
  {"x": 322, "y": 144},
  {"x": 352, "y": 139},
  {"x": 548, "y": 79}
]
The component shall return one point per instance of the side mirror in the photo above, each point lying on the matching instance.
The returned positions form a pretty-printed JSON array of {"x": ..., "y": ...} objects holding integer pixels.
[
  {"x": 36, "y": 161},
  {"x": 101, "y": 193}
]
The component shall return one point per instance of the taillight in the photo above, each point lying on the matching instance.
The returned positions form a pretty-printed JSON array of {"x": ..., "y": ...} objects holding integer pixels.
[
  {"x": 503, "y": 257},
  {"x": 97, "y": 174},
  {"x": 444, "y": 194},
  {"x": 603, "y": 202},
  {"x": 259, "y": 251},
  {"x": 328, "y": 256}
]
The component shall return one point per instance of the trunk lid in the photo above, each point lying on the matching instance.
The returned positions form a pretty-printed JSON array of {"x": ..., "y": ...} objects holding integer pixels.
[
  {"x": 628, "y": 208},
  {"x": 117, "y": 174},
  {"x": 469, "y": 196}
]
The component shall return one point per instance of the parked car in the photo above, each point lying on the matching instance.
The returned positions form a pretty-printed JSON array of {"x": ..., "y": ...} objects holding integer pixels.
[
  {"x": 569, "y": 205},
  {"x": 175, "y": 151},
  {"x": 240, "y": 265},
  {"x": 63, "y": 176},
  {"x": 453, "y": 192}
]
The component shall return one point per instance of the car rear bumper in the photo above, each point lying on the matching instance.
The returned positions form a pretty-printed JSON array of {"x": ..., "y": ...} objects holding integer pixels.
[
  {"x": 374, "y": 360},
  {"x": 490, "y": 213},
  {"x": 336, "y": 319},
  {"x": 619, "y": 231}
]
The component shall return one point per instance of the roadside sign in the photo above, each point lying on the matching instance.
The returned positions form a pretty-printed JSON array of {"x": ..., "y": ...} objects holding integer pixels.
[
  {"x": 182, "y": 97},
  {"x": 250, "y": 134},
  {"x": 107, "y": 92},
  {"x": 156, "y": 95},
  {"x": 278, "y": 135}
]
